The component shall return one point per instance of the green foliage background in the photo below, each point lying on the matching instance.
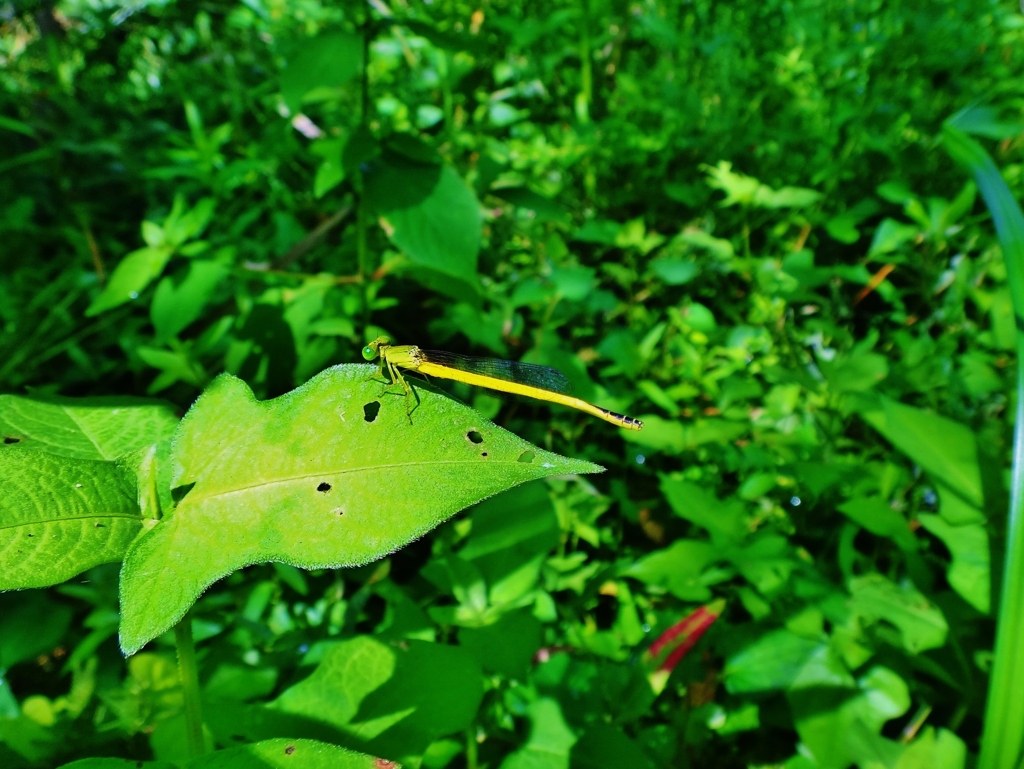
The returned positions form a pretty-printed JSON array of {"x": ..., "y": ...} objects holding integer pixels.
[{"x": 679, "y": 204}]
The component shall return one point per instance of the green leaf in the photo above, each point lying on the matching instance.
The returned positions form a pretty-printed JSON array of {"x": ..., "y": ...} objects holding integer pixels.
[
  {"x": 330, "y": 172},
  {"x": 391, "y": 700},
  {"x": 969, "y": 572},
  {"x": 877, "y": 516},
  {"x": 428, "y": 211},
  {"x": 921, "y": 625},
  {"x": 934, "y": 749},
  {"x": 674, "y": 272},
  {"x": 725, "y": 520},
  {"x": 333, "y": 474},
  {"x": 130, "y": 278},
  {"x": 543, "y": 209},
  {"x": 61, "y": 516},
  {"x": 604, "y": 746},
  {"x": 122, "y": 763},
  {"x": 772, "y": 662},
  {"x": 102, "y": 427},
  {"x": 174, "y": 306},
  {"x": 946, "y": 449},
  {"x": 30, "y": 624},
  {"x": 677, "y": 568},
  {"x": 890, "y": 235},
  {"x": 280, "y": 754},
  {"x": 855, "y": 373},
  {"x": 550, "y": 739},
  {"x": 507, "y": 647},
  {"x": 319, "y": 66}
]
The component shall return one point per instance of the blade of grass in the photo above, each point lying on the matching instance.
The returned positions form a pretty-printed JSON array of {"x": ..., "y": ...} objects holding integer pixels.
[{"x": 1002, "y": 743}]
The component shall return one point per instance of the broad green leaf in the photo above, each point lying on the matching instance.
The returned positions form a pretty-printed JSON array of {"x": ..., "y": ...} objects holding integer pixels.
[
  {"x": 890, "y": 235},
  {"x": 120, "y": 763},
  {"x": 603, "y": 746},
  {"x": 176, "y": 305},
  {"x": 934, "y": 749},
  {"x": 391, "y": 700},
  {"x": 319, "y": 66},
  {"x": 725, "y": 520},
  {"x": 677, "y": 568},
  {"x": 333, "y": 474},
  {"x": 428, "y": 211},
  {"x": 543, "y": 209},
  {"x": 508, "y": 646},
  {"x": 674, "y": 272},
  {"x": 877, "y": 516},
  {"x": 130, "y": 278},
  {"x": 283, "y": 754},
  {"x": 844, "y": 226},
  {"x": 946, "y": 449},
  {"x": 512, "y": 533},
  {"x": 550, "y": 739},
  {"x": 61, "y": 516},
  {"x": 921, "y": 625},
  {"x": 103, "y": 427},
  {"x": 30, "y": 624},
  {"x": 969, "y": 572},
  {"x": 675, "y": 437},
  {"x": 855, "y": 373},
  {"x": 772, "y": 662},
  {"x": 840, "y": 726}
]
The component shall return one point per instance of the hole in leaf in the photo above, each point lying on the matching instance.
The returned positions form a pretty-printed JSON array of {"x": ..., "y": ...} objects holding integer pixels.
[
  {"x": 31, "y": 535},
  {"x": 483, "y": 453},
  {"x": 8, "y": 440},
  {"x": 178, "y": 492},
  {"x": 338, "y": 511},
  {"x": 474, "y": 437},
  {"x": 98, "y": 525},
  {"x": 527, "y": 457},
  {"x": 324, "y": 487},
  {"x": 289, "y": 750},
  {"x": 370, "y": 411}
]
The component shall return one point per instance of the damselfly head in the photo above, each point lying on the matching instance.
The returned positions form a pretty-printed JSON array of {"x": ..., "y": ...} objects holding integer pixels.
[{"x": 372, "y": 350}]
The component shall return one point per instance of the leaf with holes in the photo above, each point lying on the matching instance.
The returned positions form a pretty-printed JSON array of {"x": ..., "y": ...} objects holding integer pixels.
[
  {"x": 333, "y": 474},
  {"x": 60, "y": 516},
  {"x": 85, "y": 428}
]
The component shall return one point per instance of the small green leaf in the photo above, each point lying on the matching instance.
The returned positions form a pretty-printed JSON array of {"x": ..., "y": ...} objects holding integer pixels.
[
  {"x": 946, "y": 449},
  {"x": 969, "y": 572},
  {"x": 130, "y": 278},
  {"x": 725, "y": 520},
  {"x": 333, "y": 474},
  {"x": 391, "y": 700},
  {"x": 877, "y": 516},
  {"x": 773, "y": 662},
  {"x": 550, "y": 739},
  {"x": 320, "y": 64},
  {"x": 61, "y": 516},
  {"x": 920, "y": 624},
  {"x": 30, "y": 624},
  {"x": 508, "y": 646},
  {"x": 175, "y": 306},
  {"x": 429, "y": 212},
  {"x": 677, "y": 568}
]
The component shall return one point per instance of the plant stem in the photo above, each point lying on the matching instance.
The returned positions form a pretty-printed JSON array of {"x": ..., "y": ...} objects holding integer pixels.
[
  {"x": 188, "y": 671},
  {"x": 586, "y": 94}
]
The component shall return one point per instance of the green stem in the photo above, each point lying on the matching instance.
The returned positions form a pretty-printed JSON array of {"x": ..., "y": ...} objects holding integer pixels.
[
  {"x": 586, "y": 94},
  {"x": 472, "y": 760},
  {"x": 188, "y": 671}
]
